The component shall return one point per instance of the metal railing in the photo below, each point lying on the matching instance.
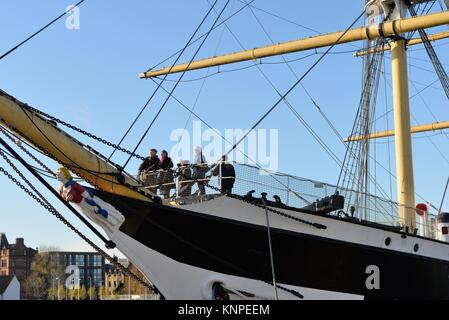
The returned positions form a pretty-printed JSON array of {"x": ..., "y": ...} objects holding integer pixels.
[{"x": 185, "y": 183}]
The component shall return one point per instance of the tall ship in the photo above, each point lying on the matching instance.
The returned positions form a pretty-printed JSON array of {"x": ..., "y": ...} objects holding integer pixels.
[{"x": 273, "y": 235}]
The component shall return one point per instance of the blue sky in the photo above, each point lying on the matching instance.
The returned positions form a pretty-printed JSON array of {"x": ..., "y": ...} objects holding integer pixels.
[{"x": 89, "y": 77}]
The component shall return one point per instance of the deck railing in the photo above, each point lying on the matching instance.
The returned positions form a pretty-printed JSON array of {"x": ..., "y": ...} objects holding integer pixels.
[{"x": 292, "y": 191}]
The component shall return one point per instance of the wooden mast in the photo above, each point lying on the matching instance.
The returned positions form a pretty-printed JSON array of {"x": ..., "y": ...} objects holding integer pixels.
[
  {"x": 387, "y": 29},
  {"x": 393, "y": 29},
  {"x": 403, "y": 139},
  {"x": 13, "y": 116}
]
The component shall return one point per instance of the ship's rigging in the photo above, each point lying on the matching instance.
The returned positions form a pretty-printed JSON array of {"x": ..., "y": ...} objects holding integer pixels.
[
  {"x": 249, "y": 4},
  {"x": 355, "y": 178},
  {"x": 361, "y": 182}
]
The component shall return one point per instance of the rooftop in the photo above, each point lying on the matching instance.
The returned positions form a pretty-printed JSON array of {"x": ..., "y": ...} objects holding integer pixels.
[{"x": 4, "y": 282}]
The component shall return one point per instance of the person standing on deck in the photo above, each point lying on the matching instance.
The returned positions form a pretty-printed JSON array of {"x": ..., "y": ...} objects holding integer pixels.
[
  {"x": 147, "y": 173},
  {"x": 199, "y": 170},
  {"x": 166, "y": 174},
  {"x": 227, "y": 178},
  {"x": 151, "y": 163}
]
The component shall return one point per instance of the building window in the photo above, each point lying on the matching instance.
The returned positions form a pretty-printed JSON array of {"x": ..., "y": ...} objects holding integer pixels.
[
  {"x": 98, "y": 261},
  {"x": 98, "y": 277},
  {"x": 3, "y": 263},
  {"x": 82, "y": 275},
  {"x": 80, "y": 260}
]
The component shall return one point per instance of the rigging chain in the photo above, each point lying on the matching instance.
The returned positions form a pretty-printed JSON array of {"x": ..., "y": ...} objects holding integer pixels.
[
  {"x": 84, "y": 132},
  {"x": 246, "y": 200},
  {"x": 39, "y": 198},
  {"x": 74, "y": 169},
  {"x": 280, "y": 213},
  {"x": 32, "y": 156},
  {"x": 243, "y": 199}
]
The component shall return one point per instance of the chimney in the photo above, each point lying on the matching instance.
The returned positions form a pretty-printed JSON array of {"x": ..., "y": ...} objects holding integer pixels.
[{"x": 20, "y": 243}]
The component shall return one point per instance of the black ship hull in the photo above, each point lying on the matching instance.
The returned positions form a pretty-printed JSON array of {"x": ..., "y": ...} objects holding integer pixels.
[{"x": 240, "y": 249}]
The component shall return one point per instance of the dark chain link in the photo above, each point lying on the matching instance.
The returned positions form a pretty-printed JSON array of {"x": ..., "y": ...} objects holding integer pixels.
[
  {"x": 111, "y": 259},
  {"x": 39, "y": 198},
  {"x": 19, "y": 144},
  {"x": 84, "y": 132},
  {"x": 294, "y": 292},
  {"x": 77, "y": 172},
  {"x": 49, "y": 155},
  {"x": 316, "y": 225},
  {"x": 246, "y": 200}
]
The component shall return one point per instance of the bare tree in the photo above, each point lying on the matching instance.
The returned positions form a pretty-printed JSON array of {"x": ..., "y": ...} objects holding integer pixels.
[{"x": 43, "y": 272}]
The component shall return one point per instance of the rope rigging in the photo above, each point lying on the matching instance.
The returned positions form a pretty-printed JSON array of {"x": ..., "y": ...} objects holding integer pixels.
[
  {"x": 41, "y": 200},
  {"x": 75, "y": 168},
  {"x": 426, "y": 135},
  {"x": 327, "y": 149},
  {"x": 282, "y": 98},
  {"x": 200, "y": 91},
  {"x": 158, "y": 87},
  {"x": 288, "y": 104},
  {"x": 357, "y": 162},
  {"x": 84, "y": 132},
  {"x": 442, "y": 75},
  {"x": 230, "y": 142},
  {"x": 203, "y": 35},
  {"x": 109, "y": 244},
  {"x": 4, "y": 55},
  {"x": 305, "y": 124},
  {"x": 289, "y": 21},
  {"x": 365, "y": 122},
  {"x": 177, "y": 83}
]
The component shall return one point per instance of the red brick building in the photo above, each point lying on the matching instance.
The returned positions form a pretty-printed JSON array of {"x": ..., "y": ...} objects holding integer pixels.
[{"x": 15, "y": 259}]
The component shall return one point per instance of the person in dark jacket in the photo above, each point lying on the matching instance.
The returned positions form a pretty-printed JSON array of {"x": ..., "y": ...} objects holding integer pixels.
[
  {"x": 151, "y": 163},
  {"x": 165, "y": 161},
  {"x": 227, "y": 175},
  {"x": 148, "y": 174},
  {"x": 166, "y": 174}
]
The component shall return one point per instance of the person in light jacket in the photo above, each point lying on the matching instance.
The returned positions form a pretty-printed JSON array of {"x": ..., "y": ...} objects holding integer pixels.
[{"x": 199, "y": 169}]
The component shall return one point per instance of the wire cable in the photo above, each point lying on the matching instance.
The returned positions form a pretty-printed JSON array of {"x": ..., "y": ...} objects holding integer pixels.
[
  {"x": 165, "y": 77},
  {"x": 4, "y": 55},
  {"x": 200, "y": 37},
  {"x": 176, "y": 84},
  {"x": 282, "y": 98}
]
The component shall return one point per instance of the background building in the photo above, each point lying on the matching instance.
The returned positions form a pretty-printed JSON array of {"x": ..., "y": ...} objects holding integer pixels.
[
  {"x": 15, "y": 259},
  {"x": 9, "y": 288},
  {"x": 117, "y": 283},
  {"x": 91, "y": 266}
]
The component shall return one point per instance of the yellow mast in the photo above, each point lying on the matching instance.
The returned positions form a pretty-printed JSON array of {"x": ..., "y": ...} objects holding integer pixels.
[
  {"x": 404, "y": 156},
  {"x": 100, "y": 172},
  {"x": 387, "y": 29},
  {"x": 52, "y": 140},
  {"x": 412, "y": 42},
  {"x": 382, "y": 134},
  {"x": 392, "y": 29}
]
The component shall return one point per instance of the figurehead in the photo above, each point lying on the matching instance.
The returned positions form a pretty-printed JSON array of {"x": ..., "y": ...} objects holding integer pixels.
[{"x": 63, "y": 174}]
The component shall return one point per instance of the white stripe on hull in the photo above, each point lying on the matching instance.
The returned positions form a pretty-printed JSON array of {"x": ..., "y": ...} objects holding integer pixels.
[
  {"x": 234, "y": 209},
  {"x": 179, "y": 281}
]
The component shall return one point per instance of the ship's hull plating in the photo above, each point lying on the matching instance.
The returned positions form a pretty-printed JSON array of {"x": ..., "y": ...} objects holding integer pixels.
[{"x": 185, "y": 250}]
